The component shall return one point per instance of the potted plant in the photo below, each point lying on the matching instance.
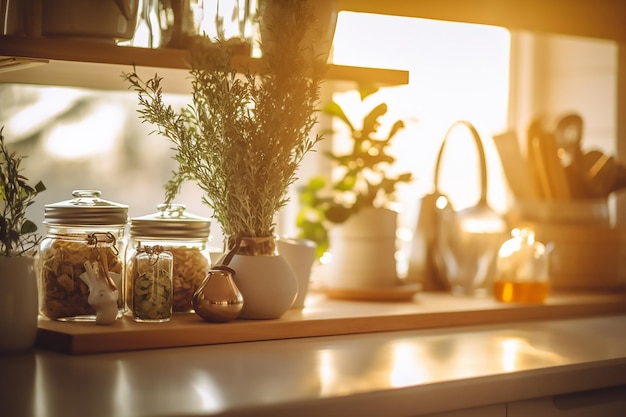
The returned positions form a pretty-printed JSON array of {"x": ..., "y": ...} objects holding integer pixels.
[
  {"x": 18, "y": 246},
  {"x": 242, "y": 140},
  {"x": 355, "y": 205}
]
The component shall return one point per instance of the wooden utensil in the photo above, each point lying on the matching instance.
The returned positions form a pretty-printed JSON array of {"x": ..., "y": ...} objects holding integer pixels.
[
  {"x": 537, "y": 175},
  {"x": 543, "y": 155},
  {"x": 568, "y": 134},
  {"x": 600, "y": 173},
  {"x": 516, "y": 169}
]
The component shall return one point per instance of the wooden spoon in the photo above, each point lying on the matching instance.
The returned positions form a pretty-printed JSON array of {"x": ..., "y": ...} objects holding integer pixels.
[
  {"x": 568, "y": 134},
  {"x": 600, "y": 172}
]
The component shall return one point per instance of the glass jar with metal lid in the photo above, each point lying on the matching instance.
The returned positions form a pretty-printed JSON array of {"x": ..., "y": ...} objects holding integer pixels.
[
  {"x": 80, "y": 232},
  {"x": 182, "y": 234}
]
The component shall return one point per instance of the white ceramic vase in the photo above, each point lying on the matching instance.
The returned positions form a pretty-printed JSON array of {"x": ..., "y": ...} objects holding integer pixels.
[
  {"x": 18, "y": 303},
  {"x": 266, "y": 282},
  {"x": 363, "y": 251}
]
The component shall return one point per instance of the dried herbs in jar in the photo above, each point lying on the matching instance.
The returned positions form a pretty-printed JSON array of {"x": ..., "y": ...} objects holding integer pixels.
[
  {"x": 150, "y": 284},
  {"x": 186, "y": 237}
]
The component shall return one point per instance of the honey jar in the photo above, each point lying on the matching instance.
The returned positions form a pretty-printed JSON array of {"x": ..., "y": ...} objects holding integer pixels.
[{"x": 522, "y": 269}]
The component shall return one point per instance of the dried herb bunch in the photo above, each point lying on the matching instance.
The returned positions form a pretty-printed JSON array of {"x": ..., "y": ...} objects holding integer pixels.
[
  {"x": 17, "y": 234},
  {"x": 245, "y": 134}
]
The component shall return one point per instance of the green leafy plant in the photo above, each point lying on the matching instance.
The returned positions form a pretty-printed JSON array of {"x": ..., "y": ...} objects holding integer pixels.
[
  {"x": 245, "y": 134},
  {"x": 364, "y": 179},
  {"x": 18, "y": 235}
]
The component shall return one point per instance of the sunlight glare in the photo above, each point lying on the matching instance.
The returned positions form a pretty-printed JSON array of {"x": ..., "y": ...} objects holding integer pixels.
[
  {"x": 51, "y": 102},
  {"x": 88, "y": 136},
  {"x": 406, "y": 369},
  {"x": 457, "y": 71}
]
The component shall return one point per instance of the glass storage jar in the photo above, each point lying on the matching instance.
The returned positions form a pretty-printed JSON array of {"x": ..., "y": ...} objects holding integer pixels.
[
  {"x": 186, "y": 237},
  {"x": 149, "y": 283},
  {"x": 83, "y": 229}
]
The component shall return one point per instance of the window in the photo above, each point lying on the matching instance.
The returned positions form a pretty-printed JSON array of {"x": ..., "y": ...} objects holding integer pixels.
[{"x": 487, "y": 75}]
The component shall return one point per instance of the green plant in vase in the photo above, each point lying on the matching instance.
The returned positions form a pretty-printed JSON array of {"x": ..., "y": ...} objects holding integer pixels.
[
  {"x": 18, "y": 235},
  {"x": 244, "y": 135},
  {"x": 363, "y": 181}
]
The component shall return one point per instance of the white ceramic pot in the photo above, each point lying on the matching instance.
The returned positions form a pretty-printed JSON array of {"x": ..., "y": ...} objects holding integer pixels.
[
  {"x": 300, "y": 255},
  {"x": 363, "y": 251},
  {"x": 266, "y": 282},
  {"x": 18, "y": 303}
]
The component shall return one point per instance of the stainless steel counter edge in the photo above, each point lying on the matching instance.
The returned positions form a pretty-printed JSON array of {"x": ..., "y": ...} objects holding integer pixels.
[
  {"x": 457, "y": 395},
  {"x": 407, "y": 373}
]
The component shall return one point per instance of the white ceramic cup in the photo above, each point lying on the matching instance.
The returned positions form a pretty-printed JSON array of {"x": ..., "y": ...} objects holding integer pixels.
[
  {"x": 18, "y": 303},
  {"x": 300, "y": 255}
]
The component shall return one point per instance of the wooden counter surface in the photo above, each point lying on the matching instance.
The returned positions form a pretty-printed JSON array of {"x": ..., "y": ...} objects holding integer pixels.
[{"x": 320, "y": 317}]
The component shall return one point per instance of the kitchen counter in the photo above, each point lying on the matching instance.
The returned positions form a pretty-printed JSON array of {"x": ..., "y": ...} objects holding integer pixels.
[{"x": 400, "y": 373}]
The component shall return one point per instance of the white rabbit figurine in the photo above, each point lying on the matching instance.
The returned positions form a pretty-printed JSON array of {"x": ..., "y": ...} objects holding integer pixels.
[{"x": 103, "y": 293}]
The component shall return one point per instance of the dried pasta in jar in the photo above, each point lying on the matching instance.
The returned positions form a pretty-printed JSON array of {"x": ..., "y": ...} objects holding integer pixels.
[
  {"x": 62, "y": 293},
  {"x": 85, "y": 228},
  {"x": 190, "y": 267}
]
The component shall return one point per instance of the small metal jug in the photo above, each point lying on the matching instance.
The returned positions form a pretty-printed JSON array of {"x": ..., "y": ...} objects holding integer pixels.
[{"x": 218, "y": 299}]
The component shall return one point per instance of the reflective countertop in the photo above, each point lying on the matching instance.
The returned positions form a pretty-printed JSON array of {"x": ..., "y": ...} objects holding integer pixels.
[{"x": 396, "y": 373}]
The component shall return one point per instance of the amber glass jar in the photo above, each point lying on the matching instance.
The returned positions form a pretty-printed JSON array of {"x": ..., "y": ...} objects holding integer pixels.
[
  {"x": 83, "y": 229},
  {"x": 522, "y": 269},
  {"x": 182, "y": 234}
]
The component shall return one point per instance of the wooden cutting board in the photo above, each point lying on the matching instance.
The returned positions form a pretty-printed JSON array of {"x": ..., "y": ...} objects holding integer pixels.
[{"x": 320, "y": 317}]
